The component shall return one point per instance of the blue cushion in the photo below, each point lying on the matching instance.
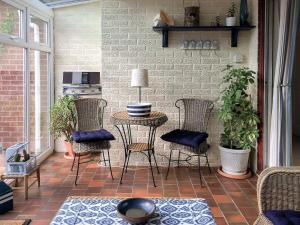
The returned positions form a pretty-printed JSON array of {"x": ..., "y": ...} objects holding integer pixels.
[
  {"x": 6, "y": 198},
  {"x": 184, "y": 137},
  {"x": 283, "y": 217},
  {"x": 94, "y": 135}
]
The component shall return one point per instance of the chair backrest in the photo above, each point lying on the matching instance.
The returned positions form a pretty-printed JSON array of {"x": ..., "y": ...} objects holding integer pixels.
[
  {"x": 90, "y": 113},
  {"x": 278, "y": 188},
  {"x": 196, "y": 113}
]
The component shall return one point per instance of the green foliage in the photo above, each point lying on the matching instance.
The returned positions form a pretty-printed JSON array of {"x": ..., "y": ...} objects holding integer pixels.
[
  {"x": 231, "y": 10},
  {"x": 7, "y": 26},
  {"x": 239, "y": 118},
  {"x": 63, "y": 118}
]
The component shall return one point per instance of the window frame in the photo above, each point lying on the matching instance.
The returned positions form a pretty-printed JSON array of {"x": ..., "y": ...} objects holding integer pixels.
[{"x": 39, "y": 10}]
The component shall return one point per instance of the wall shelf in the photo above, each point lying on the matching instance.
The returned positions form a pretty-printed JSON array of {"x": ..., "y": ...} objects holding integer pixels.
[{"x": 234, "y": 31}]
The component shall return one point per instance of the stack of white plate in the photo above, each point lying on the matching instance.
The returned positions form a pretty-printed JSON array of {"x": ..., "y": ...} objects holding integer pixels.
[{"x": 139, "y": 109}]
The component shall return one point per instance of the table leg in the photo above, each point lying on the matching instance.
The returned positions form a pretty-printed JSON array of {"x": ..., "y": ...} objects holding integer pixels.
[
  {"x": 124, "y": 167},
  {"x": 155, "y": 161},
  {"x": 125, "y": 145},
  {"x": 149, "y": 157},
  {"x": 26, "y": 187},
  {"x": 127, "y": 161}
]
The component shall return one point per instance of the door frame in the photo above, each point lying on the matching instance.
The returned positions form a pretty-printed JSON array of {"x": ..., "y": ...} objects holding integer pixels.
[{"x": 261, "y": 82}]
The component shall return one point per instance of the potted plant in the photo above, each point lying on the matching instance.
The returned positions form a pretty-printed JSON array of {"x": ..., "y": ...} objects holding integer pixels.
[
  {"x": 239, "y": 119},
  {"x": 63, "y": 121},
  {"x": 231, "y": 19}
]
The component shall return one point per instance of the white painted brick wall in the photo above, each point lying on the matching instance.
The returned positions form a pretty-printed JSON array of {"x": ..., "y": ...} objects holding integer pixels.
[
  {"x": 77, "y": 43},
  {"x": 127, "y": 41},
  {"x": 173, "y": 73}
]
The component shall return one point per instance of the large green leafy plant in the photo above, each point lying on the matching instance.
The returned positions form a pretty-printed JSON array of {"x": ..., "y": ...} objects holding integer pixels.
[
  {"x": 63, "y": 118},
  {"x": 239, "y": 118}
]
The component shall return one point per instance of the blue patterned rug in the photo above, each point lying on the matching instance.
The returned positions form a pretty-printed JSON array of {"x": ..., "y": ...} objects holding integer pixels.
[{"x": 96, "y": 210}]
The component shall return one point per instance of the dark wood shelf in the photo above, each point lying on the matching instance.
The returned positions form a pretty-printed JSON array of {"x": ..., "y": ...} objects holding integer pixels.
[{"x": 234, "y": 31}]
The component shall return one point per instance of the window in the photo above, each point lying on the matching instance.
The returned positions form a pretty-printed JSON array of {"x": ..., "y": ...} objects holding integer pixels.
[
  {"x": 38, "y": 30},
  {"x": 11, "y": 95},
  {"x": 10, "y": 20},
  {"x": 25, "y": 74},
  {"x": 39, "y": 101}
]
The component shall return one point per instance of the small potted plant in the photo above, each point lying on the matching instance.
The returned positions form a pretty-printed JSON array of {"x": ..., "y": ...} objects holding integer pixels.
[
  {"x": 240, "y": 121},
  {"x": 63, "y": 122},
  {"x": 231, "y": 19}
]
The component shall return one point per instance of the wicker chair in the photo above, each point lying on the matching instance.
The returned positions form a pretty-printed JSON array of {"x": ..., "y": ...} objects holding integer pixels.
[
  {"x": 278, "y": 188},
  {"x": 196, "y": 117},
  {"x": 90, "y": 117}
]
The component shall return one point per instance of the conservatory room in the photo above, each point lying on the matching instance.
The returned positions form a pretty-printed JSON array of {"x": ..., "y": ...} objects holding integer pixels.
[{"x": 149, "y": 112}]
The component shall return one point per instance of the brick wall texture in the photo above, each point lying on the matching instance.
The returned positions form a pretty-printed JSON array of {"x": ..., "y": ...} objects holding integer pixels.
[
  {"x": 127, "y": 41},
  {"x": 12, "y": 88}
]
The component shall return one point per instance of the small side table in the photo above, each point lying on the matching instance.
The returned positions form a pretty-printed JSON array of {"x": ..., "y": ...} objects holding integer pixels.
[
  {"x": 26, "y": 185},
  {"x": 122, "y": 121}
]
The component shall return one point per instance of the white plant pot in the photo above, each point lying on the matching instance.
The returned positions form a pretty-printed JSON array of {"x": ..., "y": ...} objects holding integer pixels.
[
  {"x": 233, "y": 161},
  {"x": 231, "y": 21}
]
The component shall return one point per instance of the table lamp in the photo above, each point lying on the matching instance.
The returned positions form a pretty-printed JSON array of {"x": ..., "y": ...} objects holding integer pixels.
[{"x": 139, "y": 78}]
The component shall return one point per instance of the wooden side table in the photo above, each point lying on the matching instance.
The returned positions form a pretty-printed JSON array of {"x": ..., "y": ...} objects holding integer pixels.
[
  {"x": 122, "y": 121},
  {"x": 26, "y": 185}
]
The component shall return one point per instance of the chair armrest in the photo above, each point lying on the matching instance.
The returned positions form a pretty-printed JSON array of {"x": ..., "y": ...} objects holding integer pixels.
[{"x": 278, "y": 188}]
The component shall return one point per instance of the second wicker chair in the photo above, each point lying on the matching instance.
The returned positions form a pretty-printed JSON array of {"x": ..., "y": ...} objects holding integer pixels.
[
  {"x": 191, "y": 136},
  {"x": 90, "y": 136}
]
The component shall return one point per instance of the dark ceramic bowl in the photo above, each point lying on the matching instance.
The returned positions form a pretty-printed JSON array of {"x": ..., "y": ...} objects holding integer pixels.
[{"x": 136, "y": 210}]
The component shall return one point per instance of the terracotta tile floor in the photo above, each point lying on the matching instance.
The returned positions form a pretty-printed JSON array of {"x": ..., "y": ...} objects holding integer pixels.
[{"x": 231, "y": 201}]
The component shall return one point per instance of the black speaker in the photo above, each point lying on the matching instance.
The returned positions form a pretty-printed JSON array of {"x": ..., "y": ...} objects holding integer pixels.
[{"x": 81, "y": 78}]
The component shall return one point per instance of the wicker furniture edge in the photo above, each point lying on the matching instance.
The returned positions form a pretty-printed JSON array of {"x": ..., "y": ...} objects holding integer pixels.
[{"x": 272, "y": 184}]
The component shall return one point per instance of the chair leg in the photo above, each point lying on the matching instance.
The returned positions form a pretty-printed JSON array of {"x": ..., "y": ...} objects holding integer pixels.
[
  {"x": 171, "y": 150},
  {"x": 112, "y": 177},
  {"x": 78, "y": 163},
  {"x": 127, "y": 161},
  {"x": 149, "y": 157},
  {"x": 104, "y": 160},
  {"x": 73, "y": 162},
  {"x": 124, "y": 167},
  {"x": 199, "y": 168},
  {"x": 155, "y": 161},
  {"x": 178, "y": 160},
  {"x": 206, "y": 156}
]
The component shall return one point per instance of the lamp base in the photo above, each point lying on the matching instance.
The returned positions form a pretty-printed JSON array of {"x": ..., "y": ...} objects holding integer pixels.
[{"x": 139, "y": 109}]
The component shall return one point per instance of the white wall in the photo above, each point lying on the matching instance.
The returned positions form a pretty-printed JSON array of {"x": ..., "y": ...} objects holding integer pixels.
[
  {"x": 128, "y": 42},
  {"x": 77, "y": 43}
]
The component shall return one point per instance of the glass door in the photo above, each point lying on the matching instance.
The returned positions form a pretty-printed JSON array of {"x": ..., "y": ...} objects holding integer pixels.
[{"x": 26, "y": 81}]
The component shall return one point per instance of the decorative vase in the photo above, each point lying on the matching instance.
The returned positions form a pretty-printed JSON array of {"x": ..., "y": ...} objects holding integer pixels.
[
  {"x": 191, "y": 18},
  {"x": 230, "y": 21},
  {"x": 244, "y": 14}
]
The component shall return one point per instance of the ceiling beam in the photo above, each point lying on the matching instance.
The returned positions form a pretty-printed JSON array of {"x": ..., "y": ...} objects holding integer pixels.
[{"x": 66, "y": 3}]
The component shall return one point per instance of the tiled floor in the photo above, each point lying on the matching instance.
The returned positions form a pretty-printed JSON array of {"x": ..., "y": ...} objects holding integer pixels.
[{"x": 231, "y": 201}]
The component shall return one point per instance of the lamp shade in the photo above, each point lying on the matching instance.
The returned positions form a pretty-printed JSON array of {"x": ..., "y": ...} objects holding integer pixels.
[{"x": 139, "y": 78}]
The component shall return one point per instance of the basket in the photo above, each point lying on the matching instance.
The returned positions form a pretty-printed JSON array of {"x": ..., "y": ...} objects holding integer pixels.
[{"x": 18, "y": 168}]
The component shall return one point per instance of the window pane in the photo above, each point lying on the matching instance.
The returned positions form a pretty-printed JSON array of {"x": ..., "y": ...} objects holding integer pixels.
[
  {"x": 10, "y": 20},
  {"x": 39, "y": 102},
  {"x": 38, "y": 30},
  {"x": 11, "y": 95}
]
